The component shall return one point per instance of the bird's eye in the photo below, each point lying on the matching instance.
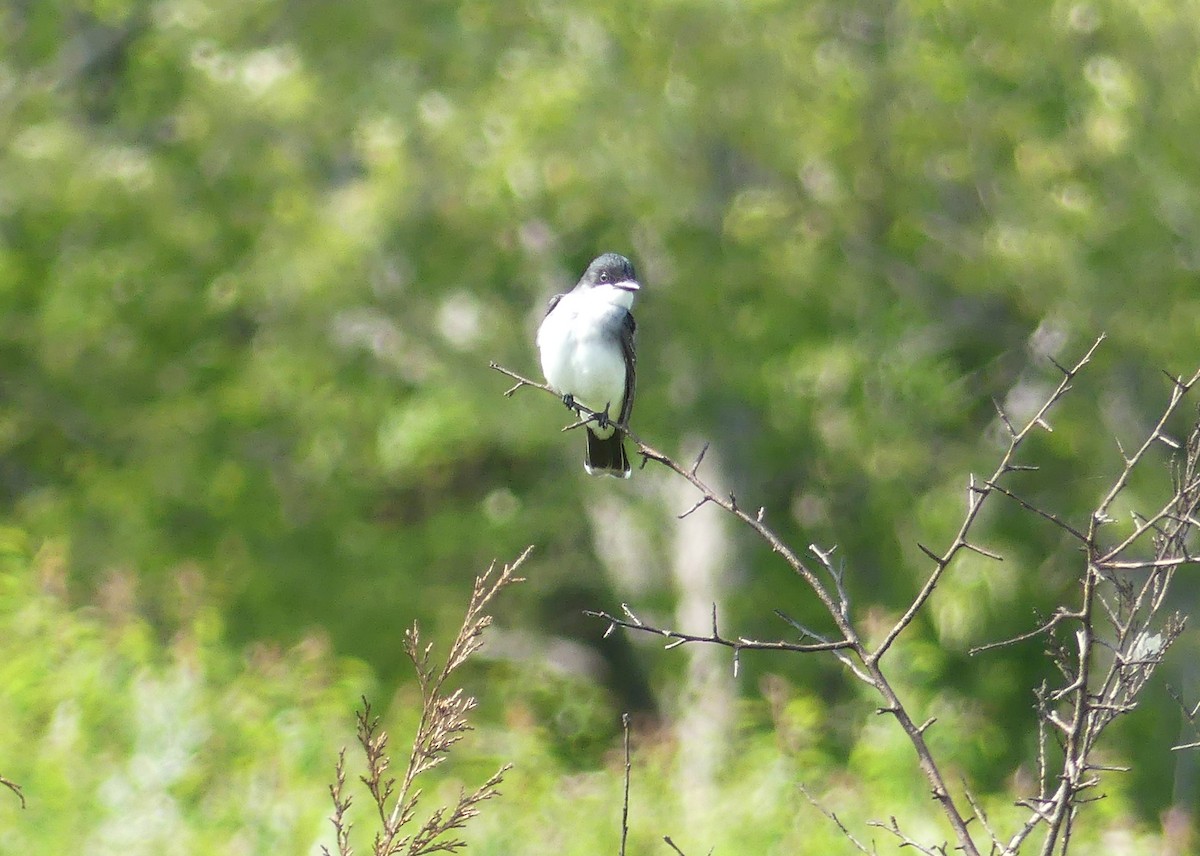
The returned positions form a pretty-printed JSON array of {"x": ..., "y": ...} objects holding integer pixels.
[{"x": 604, "y": 277}]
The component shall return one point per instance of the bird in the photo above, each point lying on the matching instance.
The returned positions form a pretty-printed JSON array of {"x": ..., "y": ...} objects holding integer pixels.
[{"x": 585, "y": 345}]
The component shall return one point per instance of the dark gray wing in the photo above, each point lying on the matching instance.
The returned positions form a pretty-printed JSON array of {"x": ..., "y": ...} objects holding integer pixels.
[
  {"x": 628, "y": 328},
  {"x": 553, "y": 302}
]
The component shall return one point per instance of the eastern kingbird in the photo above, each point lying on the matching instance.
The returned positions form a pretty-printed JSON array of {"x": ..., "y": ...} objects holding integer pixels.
[{"x": 586, "y": 347}]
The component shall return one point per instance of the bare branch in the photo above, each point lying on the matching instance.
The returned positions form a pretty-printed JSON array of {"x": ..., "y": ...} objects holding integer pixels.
[
  {"x": 1004, "y": 466},
  {"x": 894, "y": 828},
  {"x": 1060, "y": 615},
  {"x": 1095, "y": 693},
  {"x": 1103, "y": 671},
  {"x": 837, "y": 821},
  {"x": 699, "y": 502},
  {"x": 1053, "y": 518},
  {"x": 936, "y": 558},
  {"x": 835, "y": 604},
  {"x": 625, "y": 804},
  {"x": 987, "y": 554},
  {"x": 520, "y": 381},
  {"x": 714, "y": 638},
  {"x": 1179, "y": 389},
  {"x": 804, "y": 631},
  {"x": 15, "y": 788},
  {"x": 982, "y": 815},
  {"x": 672, "y": 845},
  {"x": 1012, "y": 432}
]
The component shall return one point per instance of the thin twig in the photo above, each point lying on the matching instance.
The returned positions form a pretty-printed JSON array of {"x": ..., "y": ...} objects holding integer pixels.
[
  {"x": 625, "y": 805},
  {"x": 672, "y": 845},
  {"x": 1061, "y": 614},
  {"x": 982, "y": 815},
  {"x": 714, "y": 638},
  {"x": 15, "y": 788},
  {"x": 829, "y": 813},
  {"x": 1053, "y": 518},
  {"x": 960, "y": 540},
  {"x": 894, "y": 828}
]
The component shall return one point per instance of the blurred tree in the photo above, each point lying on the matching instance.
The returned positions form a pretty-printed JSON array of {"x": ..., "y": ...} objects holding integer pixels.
[{"x": 254, "y": 258}]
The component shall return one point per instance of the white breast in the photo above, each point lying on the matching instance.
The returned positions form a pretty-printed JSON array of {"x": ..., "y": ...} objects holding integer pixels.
[{"x": 580, "y": 354}]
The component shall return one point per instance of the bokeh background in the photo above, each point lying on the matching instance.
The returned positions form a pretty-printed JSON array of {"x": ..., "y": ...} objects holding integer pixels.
[{"x": 255, "y": 257}]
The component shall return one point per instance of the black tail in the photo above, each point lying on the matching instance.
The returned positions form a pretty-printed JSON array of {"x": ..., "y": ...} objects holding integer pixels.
[{"x": 606, "y": 456}]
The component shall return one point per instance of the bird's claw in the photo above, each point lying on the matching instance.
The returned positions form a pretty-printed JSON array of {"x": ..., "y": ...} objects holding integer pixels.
[{"x": 601, "y": 418}]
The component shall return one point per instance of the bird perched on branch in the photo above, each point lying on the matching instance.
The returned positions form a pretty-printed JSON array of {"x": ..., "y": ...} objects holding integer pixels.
[{"x": 586, "y": 347}]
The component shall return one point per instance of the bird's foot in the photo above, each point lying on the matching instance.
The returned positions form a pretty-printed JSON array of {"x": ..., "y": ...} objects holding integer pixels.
[{"x": 568, "y": 401}]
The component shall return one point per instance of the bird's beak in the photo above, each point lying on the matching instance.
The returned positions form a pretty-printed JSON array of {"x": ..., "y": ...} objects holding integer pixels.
[{"x": 627, "y": 285}]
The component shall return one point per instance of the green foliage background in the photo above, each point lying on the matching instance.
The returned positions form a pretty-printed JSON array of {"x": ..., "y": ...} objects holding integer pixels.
[{"x": 255, "y": 256}]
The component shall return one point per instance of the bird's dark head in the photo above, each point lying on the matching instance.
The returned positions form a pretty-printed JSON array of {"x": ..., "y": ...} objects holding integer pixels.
[{"x": 611, "y": 269}]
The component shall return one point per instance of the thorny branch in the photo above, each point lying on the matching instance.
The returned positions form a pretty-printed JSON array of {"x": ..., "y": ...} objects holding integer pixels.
[
  {"x": 632, "y": 622},
  {"x": 893, "y": 827},
  {"x": 1116, "y": 647},
  {"x": 979, "y": 492},
  {"x": 1104, "y": 669},
  {"x": 866, "y": 668}
]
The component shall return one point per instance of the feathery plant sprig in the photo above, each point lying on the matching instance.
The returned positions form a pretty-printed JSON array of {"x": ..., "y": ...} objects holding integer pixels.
[{"x": 444, "y": 722}]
